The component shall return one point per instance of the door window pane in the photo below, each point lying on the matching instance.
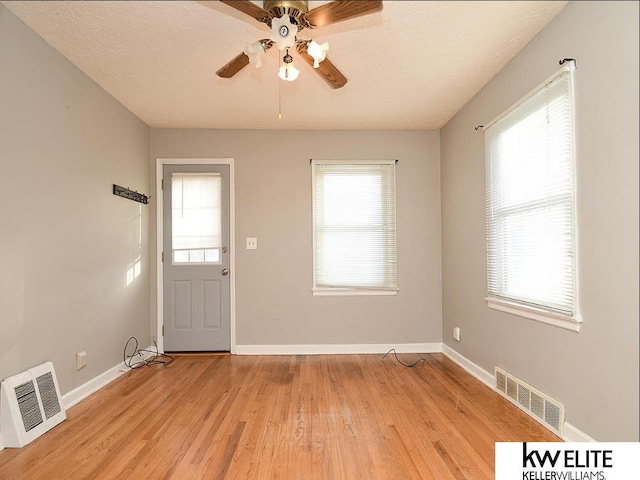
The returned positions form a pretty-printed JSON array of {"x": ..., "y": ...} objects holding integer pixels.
[{"x": 196, "y": 217}]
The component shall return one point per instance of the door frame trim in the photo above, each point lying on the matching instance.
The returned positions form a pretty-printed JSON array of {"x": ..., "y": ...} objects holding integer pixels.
[{"x": 160, "y": 163}]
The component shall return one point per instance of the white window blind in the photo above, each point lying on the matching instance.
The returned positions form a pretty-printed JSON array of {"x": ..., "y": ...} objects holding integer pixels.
[
  {"x": 354, "y": 208},
  {"x": 531, "y": 258},
  {"x": 196, "y": 217}
]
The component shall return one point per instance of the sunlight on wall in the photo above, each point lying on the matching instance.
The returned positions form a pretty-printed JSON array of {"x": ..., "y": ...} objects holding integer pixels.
[{"x": 134, "y": 244}]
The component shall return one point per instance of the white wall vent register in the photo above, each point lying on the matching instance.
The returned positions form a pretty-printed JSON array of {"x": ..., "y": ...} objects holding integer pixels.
[
  {"x": 543, "y": 408},
  {"x": 30, "y": 405}
]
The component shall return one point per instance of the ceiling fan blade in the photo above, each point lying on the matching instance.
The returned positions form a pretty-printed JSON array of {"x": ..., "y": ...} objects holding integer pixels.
[
  {"x": 240, "y": 61},
  {"x": 234, "y": 66},
  {"x": 340, "y": 10},
  {"x": 250, "y": 9},
  {"x": 327, "y": 70}
]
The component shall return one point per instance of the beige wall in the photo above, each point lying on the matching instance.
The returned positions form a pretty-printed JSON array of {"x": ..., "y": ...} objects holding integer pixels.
[
  {"x": 273, "y": 203},
  {"x": 65, "y": 240},
  {"x": 595, "y": 372}
]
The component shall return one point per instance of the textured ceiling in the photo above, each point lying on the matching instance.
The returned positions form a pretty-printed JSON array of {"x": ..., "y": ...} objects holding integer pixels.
[{"x": 411, "y": 66}]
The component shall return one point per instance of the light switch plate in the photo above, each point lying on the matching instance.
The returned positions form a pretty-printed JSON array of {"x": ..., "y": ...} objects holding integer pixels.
[{"x": 252, "y": 243}]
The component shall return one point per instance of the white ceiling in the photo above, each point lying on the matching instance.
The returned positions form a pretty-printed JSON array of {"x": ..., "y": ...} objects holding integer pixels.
[{"x": 411, "y": 66}]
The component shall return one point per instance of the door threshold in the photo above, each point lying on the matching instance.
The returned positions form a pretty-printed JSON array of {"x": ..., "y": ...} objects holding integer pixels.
[{"x": 198, "y": 354}]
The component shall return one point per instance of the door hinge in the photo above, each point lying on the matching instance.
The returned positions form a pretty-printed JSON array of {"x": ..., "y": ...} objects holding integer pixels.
[
  {"x": 162, "y": 184},
  {"x": 162, "y": 255},
  {"x": 163, "y": 330}
]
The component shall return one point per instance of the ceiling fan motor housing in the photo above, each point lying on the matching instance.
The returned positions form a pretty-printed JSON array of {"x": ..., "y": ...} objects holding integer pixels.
[{"x": 293, "y": 8}]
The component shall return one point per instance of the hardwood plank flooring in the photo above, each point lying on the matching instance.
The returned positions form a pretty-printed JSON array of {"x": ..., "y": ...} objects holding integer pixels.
[{"x": 281, "y": 417}]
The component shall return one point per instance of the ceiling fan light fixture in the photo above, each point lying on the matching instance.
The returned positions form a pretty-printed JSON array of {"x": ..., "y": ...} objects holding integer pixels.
[
  {"x": 288, "y": 71},
  {"x": 318, "y": 52},
  {"x": 255, "y": 51},
  {"x": 283, "y": 32}
]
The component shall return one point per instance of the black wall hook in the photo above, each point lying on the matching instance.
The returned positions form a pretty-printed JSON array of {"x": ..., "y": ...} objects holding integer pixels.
[{"x": 130, "y": 194}]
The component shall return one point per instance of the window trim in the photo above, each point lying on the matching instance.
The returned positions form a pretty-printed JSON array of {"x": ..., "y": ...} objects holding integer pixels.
[
  {"x": 342, "y": 291},
  {"x": 539, "y": 315},
  {"x": 351, "y": 292},
  {"x": 564, "y": 321}
]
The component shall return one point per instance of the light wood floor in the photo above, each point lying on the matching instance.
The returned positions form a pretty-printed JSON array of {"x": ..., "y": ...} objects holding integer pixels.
[{"x": 281, "y": 417}]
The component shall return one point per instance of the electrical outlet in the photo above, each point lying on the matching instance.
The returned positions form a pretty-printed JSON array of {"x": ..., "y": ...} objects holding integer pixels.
[
  {"x": 252, "y": 243},
  {"x": 457, "y": 334},
  {"x": 81, "y": 360}
]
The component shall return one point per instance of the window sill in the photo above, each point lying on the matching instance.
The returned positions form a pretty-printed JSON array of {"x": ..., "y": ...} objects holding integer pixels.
[
  {"x": 555, "y": 319},
  {"x": 346, "y": 292}
]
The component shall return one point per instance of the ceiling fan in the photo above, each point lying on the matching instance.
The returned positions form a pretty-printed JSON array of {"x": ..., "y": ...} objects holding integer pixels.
[{"x": 286, "y": 18}]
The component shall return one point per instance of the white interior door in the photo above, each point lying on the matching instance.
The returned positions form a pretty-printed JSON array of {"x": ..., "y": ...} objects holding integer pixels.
[{"x": 196, "y": 258}]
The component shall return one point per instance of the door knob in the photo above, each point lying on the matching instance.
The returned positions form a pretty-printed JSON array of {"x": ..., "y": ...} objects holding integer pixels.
[{"x": 225, "y": 271}]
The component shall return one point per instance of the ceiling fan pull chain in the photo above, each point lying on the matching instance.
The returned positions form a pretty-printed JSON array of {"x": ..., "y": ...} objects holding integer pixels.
[{"x": 279, "y": 101}]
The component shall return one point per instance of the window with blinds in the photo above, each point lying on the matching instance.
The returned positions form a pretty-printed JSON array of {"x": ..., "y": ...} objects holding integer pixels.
[
  {"x": 196, "y": 217},
  {"x": 531, "y": 254},
  {"x": 354, "y": 227}
]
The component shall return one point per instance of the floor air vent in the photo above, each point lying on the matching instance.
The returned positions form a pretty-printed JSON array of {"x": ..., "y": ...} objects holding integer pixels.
[
  {"x": 544, "y": 409},
  {"x": 30, "y": 405}
]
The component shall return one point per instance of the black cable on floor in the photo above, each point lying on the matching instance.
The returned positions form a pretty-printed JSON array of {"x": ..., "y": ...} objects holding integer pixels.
[
  {"x": 157, "y": 358},
  {"x": 395, "y": 354}
]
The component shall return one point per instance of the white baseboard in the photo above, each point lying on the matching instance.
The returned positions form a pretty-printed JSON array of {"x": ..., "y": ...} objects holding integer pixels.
[
  {"x": 471, "y": 368},
  {"x": 336, "y": 349},
  {"x": 572, "y": 434},
  {"x": 78, "y": 394}
]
